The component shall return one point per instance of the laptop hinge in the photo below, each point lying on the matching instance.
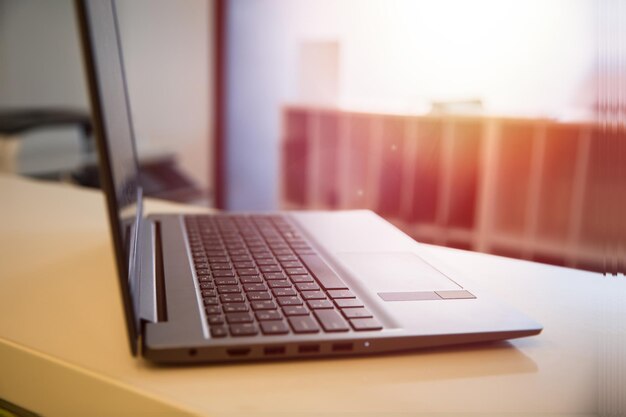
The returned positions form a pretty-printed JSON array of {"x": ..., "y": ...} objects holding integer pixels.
[{"x": 148, "y": 273}]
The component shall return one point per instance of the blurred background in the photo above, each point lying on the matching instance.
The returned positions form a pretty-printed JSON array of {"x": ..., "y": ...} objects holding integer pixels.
[
  {"x": 479, "y": 124},
  {"x": 44, "y": 100}
]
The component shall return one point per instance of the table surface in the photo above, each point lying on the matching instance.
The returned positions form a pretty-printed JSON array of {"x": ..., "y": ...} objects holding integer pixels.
[{"x": 63, "y": 346}]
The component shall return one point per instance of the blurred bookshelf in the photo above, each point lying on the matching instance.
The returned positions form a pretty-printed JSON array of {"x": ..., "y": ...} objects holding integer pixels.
[{"x": 509, "y": 186}]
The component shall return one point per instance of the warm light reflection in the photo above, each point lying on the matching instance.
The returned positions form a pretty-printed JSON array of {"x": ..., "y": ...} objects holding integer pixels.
[{"x": 517, "y": 57}]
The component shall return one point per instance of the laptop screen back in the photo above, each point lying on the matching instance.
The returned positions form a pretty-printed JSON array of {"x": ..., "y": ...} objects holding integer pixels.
[{"x": 114, "y": 133}]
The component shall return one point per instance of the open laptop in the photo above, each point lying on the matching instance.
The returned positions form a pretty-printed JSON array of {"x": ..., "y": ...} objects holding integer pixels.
[{"x": 233, "y": 287}]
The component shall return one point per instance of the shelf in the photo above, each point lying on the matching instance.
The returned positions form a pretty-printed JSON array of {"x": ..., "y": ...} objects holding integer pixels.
[{"x": 519, "y": 187}]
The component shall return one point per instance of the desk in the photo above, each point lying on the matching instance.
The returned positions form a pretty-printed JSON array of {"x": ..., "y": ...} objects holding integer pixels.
[{"x": 63, "y": 347}]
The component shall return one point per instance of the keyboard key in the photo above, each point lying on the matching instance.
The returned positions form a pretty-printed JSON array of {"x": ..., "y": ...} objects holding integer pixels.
[
  {"x": 228, "y": 289},
  {"x": 232, "y": 298},
  {"x": 218, "y": 331},
  {"x": 365, "y": 324},
  {"x": 289, "y": 301},
  {"x": 319, "y": 304},
  {"x": 235, "y": 307},
  {"x": 283, "y": 283},
  {"x": 223, "y": 274},
  {"x": 245, "y": 329},
  {"x": 237, "y": 250},
  {"x": 240, "y": 258},
  {"x": 265, "y": 315},
  {"x": 239, "y": 318},
  {"x": 313, "y": 295},
  {"x": 295, "y": 311},
  {"x": 287, "y": 258},
  {"x": 215, "y": 319},
  {"x": 213, "y": 310},
  {"x": 296, "y": 271},
  {"x": 340, "y": 294},
  {"x": 207, "y": 286},
  {"x": 281, "y": 292},
  {"x": 210, "y": 301},
  {"x": 251, "y": 280},
  {"x": 292, "y": 264},
  {"x": 222, "y": 267},
  {"x": 265, "y": 262},
  {"x": 247, "y": 272},
  {"x": 209, "y": 293},
  {"x": 218, "y": 259},
  {"x": 259, "y": 296},
  {"x": 356, "y": 313},
  {"x": 325, "y": 276},
  {"x": 332, "y": 321},
  {"x": 307, "y": 286},
  {"x": 254, "y": 287},
  {"x": 241, "y": 265},
  {"x": 270, "y": 268},
  {"x": 303, "y": 324},
  {"x": 274, "y": 327},
  {"x": 301, "y": 278},
  {"x": 274, "y": 275},
  {"x": 260, "y": 248},
  {"x": 205, "y": 272},
  {"x": 263, "y": 305},
  {"x": 225, "y": 281},
  {"x": 278, "y": 245},
  {"x": 348, "y": 302}
]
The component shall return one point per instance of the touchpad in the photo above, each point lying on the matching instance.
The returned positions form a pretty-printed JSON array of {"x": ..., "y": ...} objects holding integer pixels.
[{"x": 395, "y": 272}]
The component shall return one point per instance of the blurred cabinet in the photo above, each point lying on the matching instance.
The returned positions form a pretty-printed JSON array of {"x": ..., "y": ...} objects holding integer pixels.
[{"x": 517, "y": 187}]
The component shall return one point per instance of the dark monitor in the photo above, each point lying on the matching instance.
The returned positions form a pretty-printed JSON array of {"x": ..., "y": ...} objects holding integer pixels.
[{"x": 113, "y": 129}]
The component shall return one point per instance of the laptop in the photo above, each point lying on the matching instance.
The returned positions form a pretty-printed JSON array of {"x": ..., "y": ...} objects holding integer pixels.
[{"x": 237, "y": 287}]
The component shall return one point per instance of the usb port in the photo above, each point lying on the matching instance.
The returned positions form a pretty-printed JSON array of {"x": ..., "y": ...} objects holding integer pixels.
[
  {"x": 274, "y": 350},
  {"x": 342, "y": 347},
  {"x": 238, "y": 352},
  {"x": 308, "y": 348}
]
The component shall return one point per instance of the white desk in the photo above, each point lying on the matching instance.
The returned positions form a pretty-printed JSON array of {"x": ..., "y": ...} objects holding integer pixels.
[{"x": 63, "y": 347}]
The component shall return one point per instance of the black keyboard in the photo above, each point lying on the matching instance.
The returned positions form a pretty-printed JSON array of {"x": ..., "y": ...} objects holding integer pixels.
[{"x": 258, "y": 275}]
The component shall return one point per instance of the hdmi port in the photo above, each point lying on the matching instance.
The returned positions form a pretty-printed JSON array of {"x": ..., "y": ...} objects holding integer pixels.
[{"x": 238, "y": 351}]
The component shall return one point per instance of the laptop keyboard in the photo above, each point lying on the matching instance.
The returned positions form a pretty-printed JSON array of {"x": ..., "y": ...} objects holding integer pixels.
[{"x": 258, "y": 275}]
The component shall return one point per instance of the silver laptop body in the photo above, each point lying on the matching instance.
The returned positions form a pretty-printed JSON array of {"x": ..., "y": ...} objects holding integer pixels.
[{"x": 311, "y": 284}]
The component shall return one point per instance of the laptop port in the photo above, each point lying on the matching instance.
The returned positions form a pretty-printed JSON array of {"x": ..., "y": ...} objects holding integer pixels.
[
  {"x": 274, "y": 350},
  {"x": 238, "y": 351},
  {"x": 342, "y": 347},
  {"x": 308, "y": 348}
]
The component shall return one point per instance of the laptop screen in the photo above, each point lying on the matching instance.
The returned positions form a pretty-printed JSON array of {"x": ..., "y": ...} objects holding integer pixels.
[{"x": 114, "y": 133}]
